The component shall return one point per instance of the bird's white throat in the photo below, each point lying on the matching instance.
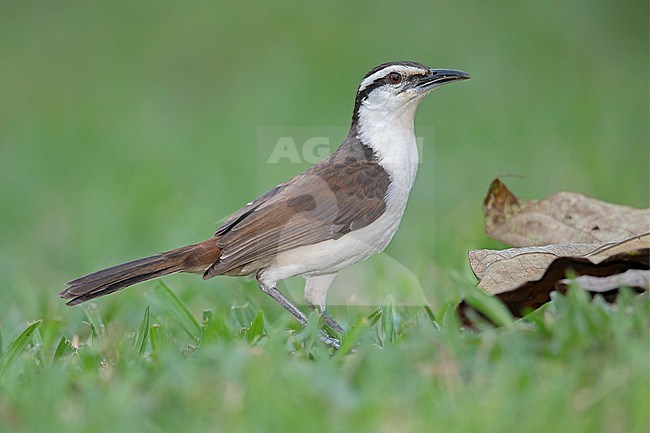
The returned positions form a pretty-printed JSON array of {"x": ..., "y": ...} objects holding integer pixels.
[{"x": 386, "y": 124}]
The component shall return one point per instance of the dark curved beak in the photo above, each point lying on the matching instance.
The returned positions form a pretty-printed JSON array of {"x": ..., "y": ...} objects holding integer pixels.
[{"x": 438, "y": 77}]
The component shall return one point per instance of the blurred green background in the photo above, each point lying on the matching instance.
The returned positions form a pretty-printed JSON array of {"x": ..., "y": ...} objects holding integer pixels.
[
  {"x": 134, "y": 127},
  {"x": 128, "y": 128}
]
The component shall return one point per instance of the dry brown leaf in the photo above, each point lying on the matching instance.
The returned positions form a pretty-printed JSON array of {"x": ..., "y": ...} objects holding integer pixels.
[
  {"x": 504, "y": 270},
  {"x": 610, "y": 249},
  {"x": 563, "y": 218},
  {"x": 534, "y": 294},
  {"x": 523, "y": 278},
  {"x": 633, "y": 278},
  {"x": 569, "y": 233}
]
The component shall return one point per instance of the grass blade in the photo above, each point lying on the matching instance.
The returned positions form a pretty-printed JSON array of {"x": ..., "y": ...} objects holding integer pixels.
[
  {"x": 310, "y": 332},
  {"x": 350, "y": 338},
  {"x": 154, "y": 337},
  {"x": 206, "y": 327},
  {"x": 214, "y": 328},
  {"x": 142, "y": 335},
  {"x": 256, "y": 330},
  {"x": 489, "y": 306},
  {"x": 389, "y": 322},
  {"x": 63, "y": 349},
  {"x": 37, "y": 348},
  {"x": 16, "y": 347},
  {"x": 97, "y": 327},
  {"x": 430, "y": 314},
  {"x": 174, "y": 306}
]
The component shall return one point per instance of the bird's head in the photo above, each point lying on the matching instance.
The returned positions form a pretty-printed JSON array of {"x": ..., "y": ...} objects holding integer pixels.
[{"x": 393, "y": 90}]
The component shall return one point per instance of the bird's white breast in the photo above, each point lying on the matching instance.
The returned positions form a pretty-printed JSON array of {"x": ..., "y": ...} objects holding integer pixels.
[{"x": 394, "y": 143}]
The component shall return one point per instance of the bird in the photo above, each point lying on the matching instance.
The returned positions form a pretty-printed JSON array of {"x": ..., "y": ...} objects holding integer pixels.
[{"x": 340, "y": 211}]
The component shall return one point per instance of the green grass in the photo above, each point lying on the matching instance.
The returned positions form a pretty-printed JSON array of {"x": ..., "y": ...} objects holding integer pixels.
[
  {"x": 577, "y": 365},
  {"x": 128, "y": 128}
]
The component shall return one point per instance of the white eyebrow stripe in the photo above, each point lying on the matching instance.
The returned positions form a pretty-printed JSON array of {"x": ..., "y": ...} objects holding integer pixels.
[{"x": 403, "y": 69}]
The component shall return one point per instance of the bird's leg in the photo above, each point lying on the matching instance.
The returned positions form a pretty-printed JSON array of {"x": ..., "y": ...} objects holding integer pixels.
[
  {"x": 316, "y": 287},
  {"x": 329, "y": 320},
  {"x": 274, "y": 293}
]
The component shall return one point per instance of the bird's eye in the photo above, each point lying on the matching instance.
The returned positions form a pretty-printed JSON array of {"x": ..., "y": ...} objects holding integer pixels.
[{"x": 395, "y": 78}]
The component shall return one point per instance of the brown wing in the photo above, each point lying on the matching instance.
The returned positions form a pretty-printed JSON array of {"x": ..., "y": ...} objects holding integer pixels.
[{"x": 326, "y": 202}]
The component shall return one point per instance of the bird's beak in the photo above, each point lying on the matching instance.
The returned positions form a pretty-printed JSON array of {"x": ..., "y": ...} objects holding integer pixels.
[{"x": 438, "y": 77}]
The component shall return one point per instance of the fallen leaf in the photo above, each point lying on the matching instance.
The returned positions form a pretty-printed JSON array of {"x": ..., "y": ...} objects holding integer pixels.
[
  {"x": 634, "y": 278},
  {"x": 523, "y": 278},
  {"x": 562, "y": 218},
  {"x": 566, "y": 233},
  {"x": 607, "y": 250},
  {"x": 533, "y": 294},
  {"x": 500, "y": 271}
]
